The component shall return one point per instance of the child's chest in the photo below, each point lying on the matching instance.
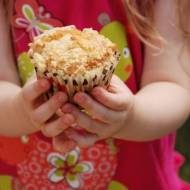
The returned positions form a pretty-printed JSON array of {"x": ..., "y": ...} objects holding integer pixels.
[{"x": 82, "y": 13}]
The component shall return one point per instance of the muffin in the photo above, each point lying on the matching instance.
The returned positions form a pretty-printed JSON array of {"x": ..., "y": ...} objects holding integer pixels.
[{"x": 73, "y": 60}]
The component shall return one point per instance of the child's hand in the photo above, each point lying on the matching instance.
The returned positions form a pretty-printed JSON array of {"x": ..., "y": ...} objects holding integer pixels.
[
  {"x": 41, "y": 113},
  {"x": 107, "y": 114}
]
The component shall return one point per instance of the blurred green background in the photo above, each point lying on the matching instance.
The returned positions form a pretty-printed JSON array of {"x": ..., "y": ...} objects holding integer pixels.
[{"x": 183, "y": 145}]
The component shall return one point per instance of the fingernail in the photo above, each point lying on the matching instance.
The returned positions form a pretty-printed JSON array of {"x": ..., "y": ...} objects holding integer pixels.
[
  {"x": 67, "y": 108},
  {"x": 80, "y": 98},
  {"x": 69, "y": 119},
  {"x": 67, "y": 146},
  {"x": 44, "y": 83},
  {"x": 71, "y": 135},
  {"x": 47, "y": 132},
  {"x": 74, "y": 125}
]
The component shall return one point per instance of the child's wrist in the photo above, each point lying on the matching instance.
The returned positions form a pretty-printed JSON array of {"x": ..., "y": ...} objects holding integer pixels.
[{"x": 125, "y": 130}]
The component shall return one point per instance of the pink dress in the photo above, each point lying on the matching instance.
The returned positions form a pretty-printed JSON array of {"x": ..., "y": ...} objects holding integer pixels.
[{"x": 31, "y": 163}]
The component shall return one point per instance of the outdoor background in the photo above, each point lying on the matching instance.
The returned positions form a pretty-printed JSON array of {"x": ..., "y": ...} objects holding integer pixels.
[{"x": 183, "y": 145}]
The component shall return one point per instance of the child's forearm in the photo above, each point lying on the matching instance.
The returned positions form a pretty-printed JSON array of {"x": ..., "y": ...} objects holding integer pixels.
[
  {"x": 159, "y": 109},
  {"x": 13, "y": 120}
]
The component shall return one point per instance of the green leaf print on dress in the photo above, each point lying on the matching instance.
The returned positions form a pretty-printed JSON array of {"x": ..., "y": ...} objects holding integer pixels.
[
  {"x": 115, "y": 31},
  {"x": 5, "y": 183},
  {"x": 9, "y": 183},
  {"x": 114, "y": 185},
  {"x": 25, "y": 67}
]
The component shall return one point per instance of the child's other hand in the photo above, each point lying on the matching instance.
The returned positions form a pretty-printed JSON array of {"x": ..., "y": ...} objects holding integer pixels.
[
  {"x": 108, "y": 112},
  {"x": 41, "y": 113}
]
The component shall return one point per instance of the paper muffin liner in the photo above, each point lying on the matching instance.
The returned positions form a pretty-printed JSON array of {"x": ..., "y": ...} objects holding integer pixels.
[
  {"x": 71, "y": 84},
  {"x": 74, "y": 60}
]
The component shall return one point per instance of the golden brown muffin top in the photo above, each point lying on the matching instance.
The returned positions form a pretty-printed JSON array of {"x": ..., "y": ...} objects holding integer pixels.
[{"x": 71, "y": 50}]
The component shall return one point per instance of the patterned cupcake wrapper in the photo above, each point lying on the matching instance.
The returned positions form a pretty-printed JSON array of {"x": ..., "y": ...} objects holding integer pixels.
[{"x": 73, "y": 84}]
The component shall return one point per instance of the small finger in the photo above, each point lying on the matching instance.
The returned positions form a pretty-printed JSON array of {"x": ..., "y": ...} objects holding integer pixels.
[
  {"x": 35, "y": 89},
  {"x": 83, "y": 140},
  {"x": 63, "y": 144},
  {"x": 45, "y": 111},
  {"x": 96, "y": 109},
  {"x": 86, "y": 122},
  {"x": 113, "y": 101},
  {"x": 56, "y": 127},
  {"x": 117, "y": 85}
]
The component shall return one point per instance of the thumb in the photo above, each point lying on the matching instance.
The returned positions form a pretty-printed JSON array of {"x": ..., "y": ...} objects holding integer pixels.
[{"x": 116, "y": 97}]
